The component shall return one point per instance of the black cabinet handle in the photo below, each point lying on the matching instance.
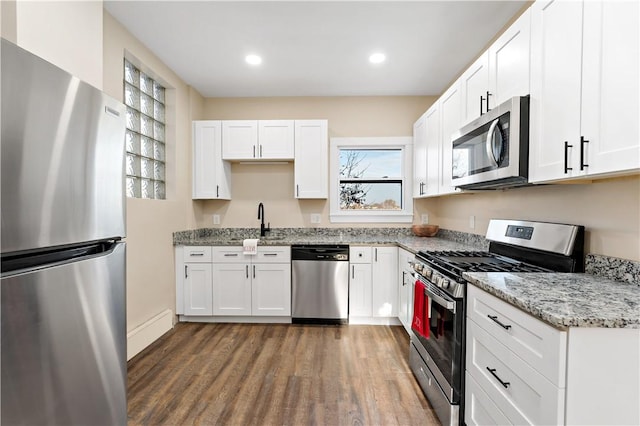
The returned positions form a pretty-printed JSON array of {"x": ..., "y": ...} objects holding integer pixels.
[
  {"x": 297, "y": 190},
  {"x": 217, "y": 191},
  {"x": 246, "y": 268},
  {"x": 481, "y": 101},
  {"x": 566, "y": 157},
  {"x": 254, "y": 271},
  {"x": 488, "y": 94},
  {"x": 493, "y": 373},
  {"x": 582, "y": 142},
  {"x": 196, "y": 254},
  {"x": 495, "y": 319},
  {"x": 260, "y": 151},
  {"x": 353, "y": 272},
  {"x": 254, "y": 151},
  {"x": 186, "y": 271}
]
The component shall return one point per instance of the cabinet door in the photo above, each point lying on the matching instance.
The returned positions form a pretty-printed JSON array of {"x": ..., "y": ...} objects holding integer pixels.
[
  {"x": 610, "y": 76},
  {"x": 509, "y": 61},
  {"x": 360, "y": 290},
  {"x": 271, "y": 289},
  {"x": 197, "y": 289},
  {"x": 311, "y": 164},
  {"x": 405, "y": 294},
  {"x": 474, "y": 84},
  {"x": 275, "y": 140},
  {"x": 433, "y": 136},
  {"x": 385, "y": 282},
  {"x": 420, "y": 156},
  {"x": 239, "y": 139},
  {"x": 211, "y": 175},
  {"x": 451, "y": 121},
  {"x": 556, "y": 56},
  {"x": 231, "y": 289}
]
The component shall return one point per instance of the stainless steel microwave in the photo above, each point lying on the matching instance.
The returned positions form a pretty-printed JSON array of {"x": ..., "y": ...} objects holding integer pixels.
[{"x": 492, "y": 151}]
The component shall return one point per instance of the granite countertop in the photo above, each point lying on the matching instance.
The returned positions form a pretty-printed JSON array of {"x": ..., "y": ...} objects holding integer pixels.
[
  {"x": 350, "y": 236},
  {"x": 566, "y": 299}
]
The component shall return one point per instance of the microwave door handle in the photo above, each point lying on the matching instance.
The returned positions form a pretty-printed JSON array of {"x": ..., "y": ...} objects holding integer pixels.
[
  {"x": 448, "y": 305},
  {"x": 489, "y": 143}
]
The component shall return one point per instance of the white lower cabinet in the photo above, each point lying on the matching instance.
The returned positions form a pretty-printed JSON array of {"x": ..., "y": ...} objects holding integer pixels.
[
  {"x": 360, "y": 290},
  {"x": 405, "y": 288},
  {"x": 519, "y": 370},
  {"x": 252, "y": 285},
  {"x": 373, "y": 284},
  {"x": 224, "y": 282},
  {"x": 197, "y": 289}
]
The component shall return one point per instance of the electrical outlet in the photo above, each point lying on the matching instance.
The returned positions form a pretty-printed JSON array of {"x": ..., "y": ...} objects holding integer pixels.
[
  {"x": 216, "y": 219},
  {"x": 425, "y": 218},
  {"x": 472, "y": 222},
  {"x": 315, "y": 218}
]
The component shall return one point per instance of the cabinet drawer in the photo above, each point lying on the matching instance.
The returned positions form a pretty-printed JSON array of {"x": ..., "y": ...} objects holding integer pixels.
[
  {"x": 479, "y": 408},
  {"x": 520, "y": 392},
  {"x": 360, "y": 254},
  {"x": 197, "y": 254},
  {"x": 275, "y": 254},
  {"x": 540, "y": 345},
  {"x": 229, "y": 254}
]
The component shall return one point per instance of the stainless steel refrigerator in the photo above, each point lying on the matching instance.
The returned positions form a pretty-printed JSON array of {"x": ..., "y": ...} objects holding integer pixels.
[{"x": 63, "y": 325}]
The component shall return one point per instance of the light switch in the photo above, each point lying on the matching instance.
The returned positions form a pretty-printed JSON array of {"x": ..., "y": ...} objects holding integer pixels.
[
  {"x": 425, "y": 218},
  {"x": 315, "y": 218},
  {"x": 216, "y": 219}
]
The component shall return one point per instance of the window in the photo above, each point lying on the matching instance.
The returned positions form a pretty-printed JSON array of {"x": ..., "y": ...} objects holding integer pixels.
[
  {"x": 371, "y": 180},
  {"x": 145, "y": 134}
]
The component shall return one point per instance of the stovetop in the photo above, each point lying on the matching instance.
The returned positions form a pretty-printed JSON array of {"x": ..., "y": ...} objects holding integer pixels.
[{"x": 458, "y": 262}]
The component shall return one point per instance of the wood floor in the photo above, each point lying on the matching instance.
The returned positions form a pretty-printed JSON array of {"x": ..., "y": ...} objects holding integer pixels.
[{"x": 258, "y": 374}]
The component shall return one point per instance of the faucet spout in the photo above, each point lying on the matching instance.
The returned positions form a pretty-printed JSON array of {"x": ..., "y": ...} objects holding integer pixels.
[{"x": 263, "y": 229}]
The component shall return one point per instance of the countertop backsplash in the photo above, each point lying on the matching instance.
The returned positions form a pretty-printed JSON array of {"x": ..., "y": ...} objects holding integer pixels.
[{"x": 613, "y": 268}]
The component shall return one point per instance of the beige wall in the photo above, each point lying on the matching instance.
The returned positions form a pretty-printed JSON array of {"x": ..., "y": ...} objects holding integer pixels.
[
  {"x": 150, "y": 223},
  {"x": 273, "y": 184},
  {"x": 609, "y": 209},
  {"x": 65, "y": 33}
]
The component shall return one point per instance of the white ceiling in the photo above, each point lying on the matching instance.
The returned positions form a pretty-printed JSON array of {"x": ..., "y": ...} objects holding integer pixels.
[{"x": 315, "y": 48}]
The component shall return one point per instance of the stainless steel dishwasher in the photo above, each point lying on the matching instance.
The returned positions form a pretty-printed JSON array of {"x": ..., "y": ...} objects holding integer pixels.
[{"x": 320, "y": 281}]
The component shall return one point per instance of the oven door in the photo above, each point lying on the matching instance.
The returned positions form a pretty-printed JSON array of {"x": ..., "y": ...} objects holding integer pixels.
[
  {"x": 490, "y": 151},
  {"x": 442, "y": 350}
]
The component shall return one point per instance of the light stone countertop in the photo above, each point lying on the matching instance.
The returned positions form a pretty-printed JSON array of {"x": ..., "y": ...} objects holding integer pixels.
[{"x": 565, "y": 299}]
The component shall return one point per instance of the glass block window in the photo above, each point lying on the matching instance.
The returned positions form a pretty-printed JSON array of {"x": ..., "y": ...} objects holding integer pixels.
[{"x": 145, "y": 136}]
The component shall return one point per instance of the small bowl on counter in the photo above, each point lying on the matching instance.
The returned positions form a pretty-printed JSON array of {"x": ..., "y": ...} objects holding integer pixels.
[{"x": 425, "y": 230}]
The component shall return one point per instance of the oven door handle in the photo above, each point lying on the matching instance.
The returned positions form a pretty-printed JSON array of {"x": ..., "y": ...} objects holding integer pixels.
[
  {"x": 449, "y": 305},
  {"x": 489, "y": 144}
]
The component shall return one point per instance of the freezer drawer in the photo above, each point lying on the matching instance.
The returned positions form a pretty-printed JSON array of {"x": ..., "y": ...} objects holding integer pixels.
[{"x": 63, "y": 333}]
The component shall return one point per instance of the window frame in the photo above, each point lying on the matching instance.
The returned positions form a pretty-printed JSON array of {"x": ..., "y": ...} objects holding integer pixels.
[{"x": 405, "y": 215}]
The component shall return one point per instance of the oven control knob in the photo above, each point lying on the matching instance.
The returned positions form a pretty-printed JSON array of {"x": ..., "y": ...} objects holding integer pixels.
[
  {"x": 445, "y": 283},
  {"x": 438, "y": 281},
  {"x": 427, "y": 272}
]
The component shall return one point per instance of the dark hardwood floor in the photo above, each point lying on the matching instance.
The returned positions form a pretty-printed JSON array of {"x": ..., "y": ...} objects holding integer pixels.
[{"x": 259, "y": 374}]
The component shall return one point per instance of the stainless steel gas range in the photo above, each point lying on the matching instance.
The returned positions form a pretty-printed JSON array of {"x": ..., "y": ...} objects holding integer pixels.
[{"x": 437, "y": 349}]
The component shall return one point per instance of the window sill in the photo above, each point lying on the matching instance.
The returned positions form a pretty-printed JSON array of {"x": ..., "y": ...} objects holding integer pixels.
[{"x": 371, "y": 218}]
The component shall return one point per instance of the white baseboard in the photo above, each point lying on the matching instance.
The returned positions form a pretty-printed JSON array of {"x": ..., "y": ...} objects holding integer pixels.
[
  {"x": 374, "y": 321},
  {"x": 242, "y": 320},
  {"x": 148, "y": 332}
]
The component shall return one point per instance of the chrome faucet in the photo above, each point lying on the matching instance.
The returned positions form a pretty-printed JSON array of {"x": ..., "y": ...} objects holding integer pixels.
[{"x": 263, "y": 229}]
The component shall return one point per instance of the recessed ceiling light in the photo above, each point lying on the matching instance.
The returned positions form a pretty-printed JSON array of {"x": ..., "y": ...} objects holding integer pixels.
[
  {"x": 253, "y": 59},
  {"x": 377, "y": 58}
]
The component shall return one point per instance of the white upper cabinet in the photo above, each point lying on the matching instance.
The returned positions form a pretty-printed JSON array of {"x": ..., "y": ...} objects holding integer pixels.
[
  {"x": 433, "y": 138},
  {"x": 311, "y": 164},
  {"x": 257, "y": 140},
  {"x": 509, "y": 62},
  {"x": 450, "y": 122},
  {"x": 275, "y": 139},
  {"x": 610, "y": 86},
  {"x": 502, "y": 72},
  {"x": 556, "y": 39},
  {"x": 239, "y": 139},
  {"x": 211, "y": 175},
  {"x": 474, "y": 84},
  {"x": 420, "y": 156},
  {"x": 584, "y": 89}
]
